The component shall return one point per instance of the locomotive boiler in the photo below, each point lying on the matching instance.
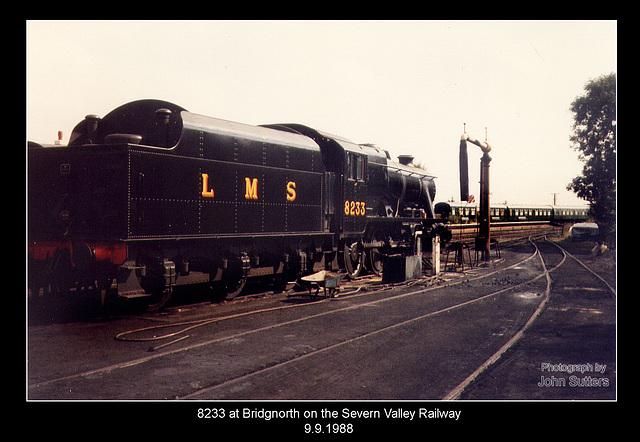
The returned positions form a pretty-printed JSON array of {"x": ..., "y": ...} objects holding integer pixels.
[{"x": 151, "y": 196}]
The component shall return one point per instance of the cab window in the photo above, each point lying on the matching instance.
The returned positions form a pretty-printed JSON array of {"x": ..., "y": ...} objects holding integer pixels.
[{"x": 355, "y": 167}]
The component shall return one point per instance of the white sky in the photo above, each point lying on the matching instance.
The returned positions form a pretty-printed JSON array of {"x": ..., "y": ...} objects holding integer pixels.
[{"x": 407, "y": 86}]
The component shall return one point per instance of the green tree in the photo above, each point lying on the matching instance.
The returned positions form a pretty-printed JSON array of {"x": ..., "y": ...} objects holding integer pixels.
[{"x": 594, "y": 137}]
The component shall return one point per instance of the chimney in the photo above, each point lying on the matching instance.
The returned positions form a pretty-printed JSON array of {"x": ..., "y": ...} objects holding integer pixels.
[{"x": 405, "y": 160}]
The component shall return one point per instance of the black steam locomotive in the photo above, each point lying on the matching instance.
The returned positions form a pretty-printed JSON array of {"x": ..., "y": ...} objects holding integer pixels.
[{"x": 152, "y": 196}]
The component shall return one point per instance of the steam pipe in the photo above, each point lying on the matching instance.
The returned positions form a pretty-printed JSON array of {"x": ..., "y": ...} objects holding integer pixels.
[
  {"x": 464, "y": 171},
  {"x": 486, "y": 147},
  {"x": 464, "y": 162}
]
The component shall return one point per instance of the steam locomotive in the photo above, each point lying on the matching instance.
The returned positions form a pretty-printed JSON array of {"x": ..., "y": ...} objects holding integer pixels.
[{"x": 152, "y": 196}]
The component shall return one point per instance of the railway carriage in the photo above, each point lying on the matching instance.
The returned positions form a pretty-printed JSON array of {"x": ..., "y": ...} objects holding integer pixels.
[
  {"x": 462, "y": 212},
  {"x": 530, "y": 213},
  {"x": 499, "y": 212},
  {"x": 571, "y": 213},
  {"x": 152, "y": 196},
  {"x": 467, "y": 213}
]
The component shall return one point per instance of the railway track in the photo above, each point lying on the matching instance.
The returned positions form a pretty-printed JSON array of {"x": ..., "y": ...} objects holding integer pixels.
[
  {"x": 329, "y": 348},
  {"x": 506, "y": 231},
  {"x": 578, "y": 325}
]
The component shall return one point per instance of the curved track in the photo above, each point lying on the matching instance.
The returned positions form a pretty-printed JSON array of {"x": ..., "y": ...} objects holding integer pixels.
[{"x": 577, "y": 326}]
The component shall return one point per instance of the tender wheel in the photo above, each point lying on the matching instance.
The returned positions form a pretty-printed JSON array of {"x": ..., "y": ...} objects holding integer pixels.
[
  {"x": 105, "y": 296},
  {"x": 231, "y": 289},
  {"x": 354, "y": 258},
  {"x": 159, "y": 299},
  {"x": 98, "y": 291},
  {"x": 61, "y": 275},
  {"x": 233, "y": 278},
  {"x": 155, "y": 284}
]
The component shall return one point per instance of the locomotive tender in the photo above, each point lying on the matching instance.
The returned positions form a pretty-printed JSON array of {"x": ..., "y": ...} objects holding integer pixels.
[{"x": 152, "y": 196}]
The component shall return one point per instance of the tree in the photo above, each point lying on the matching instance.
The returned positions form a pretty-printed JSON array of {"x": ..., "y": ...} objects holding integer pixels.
[{"x": 594, "y": 137}]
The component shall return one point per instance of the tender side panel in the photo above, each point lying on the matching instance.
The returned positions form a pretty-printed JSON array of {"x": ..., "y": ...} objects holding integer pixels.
[
  {"x": 173, "y": 196},
  {"x": 77, "y": 192}
]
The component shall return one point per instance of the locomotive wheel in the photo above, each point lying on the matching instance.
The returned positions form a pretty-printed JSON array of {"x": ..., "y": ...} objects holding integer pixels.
[
  {"x": 353, "y": 258},
  {"x": 375, "y": 257}
]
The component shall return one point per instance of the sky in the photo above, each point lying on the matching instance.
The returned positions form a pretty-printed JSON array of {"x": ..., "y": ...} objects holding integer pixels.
[{"x": 406, "y": 86}]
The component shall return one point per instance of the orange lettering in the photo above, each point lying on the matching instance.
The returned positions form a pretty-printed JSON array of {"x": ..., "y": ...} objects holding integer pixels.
[
  {"x": 205, "y": 187},
  {"x": 291, "y": 191},
  {"x": 251, "y": 189}
]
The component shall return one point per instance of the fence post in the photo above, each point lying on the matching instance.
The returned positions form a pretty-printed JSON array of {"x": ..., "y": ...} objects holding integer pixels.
[{"x": 435, "y": 255}]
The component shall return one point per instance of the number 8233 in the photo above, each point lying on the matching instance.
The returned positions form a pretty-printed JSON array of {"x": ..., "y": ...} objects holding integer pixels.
[{"x": 354, "y": 208}]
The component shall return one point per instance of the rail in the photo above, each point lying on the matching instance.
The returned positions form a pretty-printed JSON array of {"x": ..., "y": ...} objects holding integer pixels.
[{"x": 504, "y": 231}]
